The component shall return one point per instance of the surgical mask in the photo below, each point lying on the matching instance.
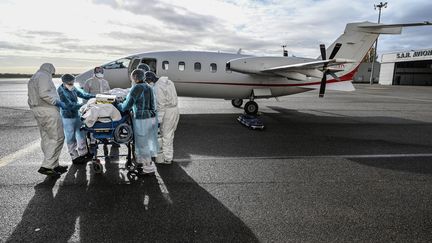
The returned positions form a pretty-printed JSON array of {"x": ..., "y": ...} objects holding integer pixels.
[
  {"x": 70, "y": 87},
  {"x": 99, "y": 75}
]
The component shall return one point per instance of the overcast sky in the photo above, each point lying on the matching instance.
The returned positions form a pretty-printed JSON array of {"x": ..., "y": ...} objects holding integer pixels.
[{"x": 76, "y": 35}]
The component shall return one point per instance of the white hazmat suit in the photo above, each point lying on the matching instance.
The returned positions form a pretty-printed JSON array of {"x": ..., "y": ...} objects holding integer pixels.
[
  {"x": 96, "y": 85},
  {"x": 42, "y": 99},
  {"x": 168, "y": 114}
]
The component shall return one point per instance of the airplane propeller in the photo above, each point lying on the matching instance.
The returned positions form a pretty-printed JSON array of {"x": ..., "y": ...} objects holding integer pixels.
[{"x": 325, "y": 70}]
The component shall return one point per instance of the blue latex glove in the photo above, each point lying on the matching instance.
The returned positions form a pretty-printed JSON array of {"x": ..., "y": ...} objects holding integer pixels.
[
  {"x": 116, "y": 104},
  {"x": 60, "y": 104}
]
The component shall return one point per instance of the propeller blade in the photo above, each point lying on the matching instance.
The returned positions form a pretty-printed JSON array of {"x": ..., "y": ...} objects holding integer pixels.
[
  {"x": 334, "y": 76},
  {"x": 323, "y": 84},
  {"x": 335, "y": 50},
  {"x": 323, "y": 51}
]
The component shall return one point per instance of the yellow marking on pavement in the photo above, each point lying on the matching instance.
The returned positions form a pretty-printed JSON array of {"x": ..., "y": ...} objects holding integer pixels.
[{"x": 26, "y": 150}]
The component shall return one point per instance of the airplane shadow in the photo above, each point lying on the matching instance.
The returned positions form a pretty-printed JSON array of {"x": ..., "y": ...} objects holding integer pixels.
[
  {"x": 295, "y": 133},
  {"x": 107, "y": 208}
]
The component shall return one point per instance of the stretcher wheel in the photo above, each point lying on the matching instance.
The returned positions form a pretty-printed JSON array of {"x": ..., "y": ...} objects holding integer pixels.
[
  {"x": 132, "y": 176},
  {"x": 97, "y": 167},
  {"x": 123, "y": 133},
  {"x": 129, "y": 165}
]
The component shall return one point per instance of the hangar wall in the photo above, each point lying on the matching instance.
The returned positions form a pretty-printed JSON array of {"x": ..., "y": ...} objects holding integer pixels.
[{"x": 407, "y": 68}]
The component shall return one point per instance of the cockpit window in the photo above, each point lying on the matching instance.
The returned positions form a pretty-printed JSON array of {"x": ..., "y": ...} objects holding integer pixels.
[{"x": 121, "y": 63}]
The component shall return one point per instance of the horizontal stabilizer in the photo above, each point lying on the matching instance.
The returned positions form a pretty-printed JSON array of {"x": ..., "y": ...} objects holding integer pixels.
[
  {"x": 311, "y": 65},
  {"x": 388, "y": 28}
]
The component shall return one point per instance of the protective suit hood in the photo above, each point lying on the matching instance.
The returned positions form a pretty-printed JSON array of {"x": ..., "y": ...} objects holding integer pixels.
[
  {"x": 47, "y": 67},
  {"x": 166, "y": 95},
  {"x": 163, "y": 79},
  {"x": 163, "y": 82}
]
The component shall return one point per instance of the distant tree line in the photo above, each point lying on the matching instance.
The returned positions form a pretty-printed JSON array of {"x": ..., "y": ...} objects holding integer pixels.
[{"x": 22, "y": 75}]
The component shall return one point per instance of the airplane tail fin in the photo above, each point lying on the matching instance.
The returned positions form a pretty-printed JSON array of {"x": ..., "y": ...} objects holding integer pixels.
[{"x": 358, "y": 38}]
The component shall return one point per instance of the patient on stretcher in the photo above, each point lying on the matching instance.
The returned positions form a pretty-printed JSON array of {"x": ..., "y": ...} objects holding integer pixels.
[{"x": 92, "y": 112}]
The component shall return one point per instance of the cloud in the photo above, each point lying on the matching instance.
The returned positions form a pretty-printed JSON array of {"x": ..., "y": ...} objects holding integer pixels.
[
  {"x": 110, "y": 29},
  {"x": 15, "y": 47},
  {"x": 172, "y": 16}
]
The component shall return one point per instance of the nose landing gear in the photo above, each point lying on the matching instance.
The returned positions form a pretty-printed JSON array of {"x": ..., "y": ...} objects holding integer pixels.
[{"x": 237, "y": 103}]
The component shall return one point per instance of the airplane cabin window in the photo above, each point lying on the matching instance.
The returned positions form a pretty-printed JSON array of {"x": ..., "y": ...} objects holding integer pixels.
[
  {"x": 197, "y": 67},
  {"x": 213, "y": 67},
  {"x": 121, "y": 63},
  {"x": 181, "y": 66},
  {"x": 165, "y": 65}
]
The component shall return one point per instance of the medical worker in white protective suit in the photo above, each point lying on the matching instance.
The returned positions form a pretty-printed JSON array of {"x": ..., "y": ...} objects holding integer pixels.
[
  {"x": 168, "y": 113},
  {"x": 97, "y": 84},
  {"x": 141, "y": 100},
  {"x": 44, "y": 103}
]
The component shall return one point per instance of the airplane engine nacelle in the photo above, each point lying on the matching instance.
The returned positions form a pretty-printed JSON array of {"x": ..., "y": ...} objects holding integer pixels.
[{"x": 245, "y": 65}]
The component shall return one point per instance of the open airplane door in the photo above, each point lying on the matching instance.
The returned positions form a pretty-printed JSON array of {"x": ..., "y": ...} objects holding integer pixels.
[{"x": 133, "y": 64}]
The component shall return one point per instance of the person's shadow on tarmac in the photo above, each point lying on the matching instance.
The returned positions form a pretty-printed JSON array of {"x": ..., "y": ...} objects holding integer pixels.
[{"x": 110, "y": 209}]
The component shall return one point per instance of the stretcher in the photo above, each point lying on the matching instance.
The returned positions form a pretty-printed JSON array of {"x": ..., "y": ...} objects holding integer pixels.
[
  {"x": 252, "y": 122},
  {"x": 113, "y": 133}
]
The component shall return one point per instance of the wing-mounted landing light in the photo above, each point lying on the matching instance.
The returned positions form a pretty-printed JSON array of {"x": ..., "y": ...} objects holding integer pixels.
[{"x": 326, "y": 71}]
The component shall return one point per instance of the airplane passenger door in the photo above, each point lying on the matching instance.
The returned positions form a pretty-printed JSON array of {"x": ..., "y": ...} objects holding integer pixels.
[
  {"x": 152, "y": 62},
  {"x": 133, "y": 64}
]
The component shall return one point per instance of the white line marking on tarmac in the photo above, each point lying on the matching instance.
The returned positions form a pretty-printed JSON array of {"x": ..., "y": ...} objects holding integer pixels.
[
  {"x": 27, "y": 149},
  {"x": 163, "y": 188},
  {"x": 343, "y": 156},
  {"x": 346, "y": 156},
  {"x": 146, "y": 201}
]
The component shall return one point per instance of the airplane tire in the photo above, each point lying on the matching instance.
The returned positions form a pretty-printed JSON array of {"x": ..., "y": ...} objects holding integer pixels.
[
  {"x": 237, "y": 102},
  {"x": 251, "y": 108}
]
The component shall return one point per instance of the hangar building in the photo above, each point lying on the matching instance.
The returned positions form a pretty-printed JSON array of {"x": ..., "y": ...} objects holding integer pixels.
[{"x": 406, "y": 68}]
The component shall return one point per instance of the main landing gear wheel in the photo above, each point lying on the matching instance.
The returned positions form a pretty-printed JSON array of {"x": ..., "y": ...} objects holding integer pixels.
[
  {"x": 251, "y": 108},
  {"x": 237, "y": 102},
  {"x": 97, "y": 166}
]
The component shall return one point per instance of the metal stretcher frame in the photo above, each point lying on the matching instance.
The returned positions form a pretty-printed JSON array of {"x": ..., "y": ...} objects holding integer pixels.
[{"x": 108, "y": 133}]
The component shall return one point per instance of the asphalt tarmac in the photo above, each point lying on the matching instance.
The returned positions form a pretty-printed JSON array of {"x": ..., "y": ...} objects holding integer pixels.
[{"x": 350, "y": 167}]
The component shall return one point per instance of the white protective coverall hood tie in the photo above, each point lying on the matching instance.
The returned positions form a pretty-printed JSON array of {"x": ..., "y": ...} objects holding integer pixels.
[
  {"x": 168, "y": 114},
  {"x": 42, "y": 97}
]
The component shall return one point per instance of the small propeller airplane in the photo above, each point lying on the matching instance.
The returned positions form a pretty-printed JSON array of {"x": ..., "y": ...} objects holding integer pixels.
[{"x": 236, "y": 77}]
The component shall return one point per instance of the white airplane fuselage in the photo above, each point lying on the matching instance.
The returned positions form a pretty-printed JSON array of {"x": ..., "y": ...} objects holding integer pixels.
[
  {"x": 206, "y": 74},
  {"x": 211, "y": 80}
]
